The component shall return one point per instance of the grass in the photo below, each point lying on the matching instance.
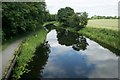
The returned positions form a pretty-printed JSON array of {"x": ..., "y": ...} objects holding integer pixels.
[
  {"x": 106, "y": 36},
  {"x": 104, "y": 23},
  {"x": 27, "y": 52}
]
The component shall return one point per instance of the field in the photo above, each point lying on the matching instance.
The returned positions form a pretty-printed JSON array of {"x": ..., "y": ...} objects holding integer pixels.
[{"x": 104, "y": 23}]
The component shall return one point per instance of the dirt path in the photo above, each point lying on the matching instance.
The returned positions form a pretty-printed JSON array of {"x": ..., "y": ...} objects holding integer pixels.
[{"x": 7, "y": 55}]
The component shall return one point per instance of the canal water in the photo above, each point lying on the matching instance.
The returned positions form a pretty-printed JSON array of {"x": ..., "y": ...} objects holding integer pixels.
[{"x": 67, "y": 54}]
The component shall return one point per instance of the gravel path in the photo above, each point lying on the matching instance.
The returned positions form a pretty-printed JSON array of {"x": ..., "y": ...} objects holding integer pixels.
[{"x": 7, "y": 55}]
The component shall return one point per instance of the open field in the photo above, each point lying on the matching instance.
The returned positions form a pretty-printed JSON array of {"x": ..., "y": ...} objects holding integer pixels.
[{"x": 104, "y": 23}]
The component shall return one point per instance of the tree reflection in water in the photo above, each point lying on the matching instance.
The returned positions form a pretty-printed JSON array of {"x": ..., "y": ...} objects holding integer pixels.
[
  {"x": 67, "y": 38},
  {"x": 39, "y": 61}
]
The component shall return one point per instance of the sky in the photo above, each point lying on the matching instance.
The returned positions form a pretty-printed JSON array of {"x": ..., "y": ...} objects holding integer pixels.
[{"x": 92, "y": 7}]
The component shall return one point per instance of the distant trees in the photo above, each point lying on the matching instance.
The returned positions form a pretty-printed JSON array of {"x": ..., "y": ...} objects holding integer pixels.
[
  {"x": 20, "y": 17},
  {"x": 104, "y": 17},
  {"x": 67, "y": 17}
]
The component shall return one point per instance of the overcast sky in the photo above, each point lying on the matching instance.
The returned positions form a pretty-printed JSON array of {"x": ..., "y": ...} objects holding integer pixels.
[{"x": 93, "y": 7}]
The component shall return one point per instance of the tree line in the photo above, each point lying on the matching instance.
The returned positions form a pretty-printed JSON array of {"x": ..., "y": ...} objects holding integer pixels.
[{"x": 103, "y": 17}]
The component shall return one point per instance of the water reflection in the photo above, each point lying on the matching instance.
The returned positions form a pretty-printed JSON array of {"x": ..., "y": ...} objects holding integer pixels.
[
  {"x": 39, "y": 61},
  {"x": 77, "y": 41}
]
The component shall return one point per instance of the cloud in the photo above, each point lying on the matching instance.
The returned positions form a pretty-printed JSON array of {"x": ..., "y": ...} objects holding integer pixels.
[{"x": 98, "y": 7}]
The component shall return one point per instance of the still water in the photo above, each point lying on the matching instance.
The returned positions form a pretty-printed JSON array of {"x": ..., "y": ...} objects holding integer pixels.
[{"x": 70, "y": 55}]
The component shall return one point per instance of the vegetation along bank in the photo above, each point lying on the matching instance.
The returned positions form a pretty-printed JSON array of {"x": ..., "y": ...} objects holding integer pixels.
[
  {"x": 107, "y": 37},
  {"x": 24, "y": 18},
  {"x": 27, "y": 52}
]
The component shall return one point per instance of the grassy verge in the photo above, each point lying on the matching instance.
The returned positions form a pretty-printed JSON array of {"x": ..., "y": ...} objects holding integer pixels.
[
  {"x": 106, "y": 36},
  {"x": 27, "y": 52}
]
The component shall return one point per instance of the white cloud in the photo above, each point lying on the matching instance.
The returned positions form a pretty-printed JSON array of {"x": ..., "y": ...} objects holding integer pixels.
[{"x": 98, "y": 7}]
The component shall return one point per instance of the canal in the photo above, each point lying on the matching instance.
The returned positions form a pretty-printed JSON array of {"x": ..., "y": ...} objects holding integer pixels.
[{"x": 67, "y": 54}]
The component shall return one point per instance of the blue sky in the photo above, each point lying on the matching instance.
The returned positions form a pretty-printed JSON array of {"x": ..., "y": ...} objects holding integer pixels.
[{"x": 93, "y": 7}]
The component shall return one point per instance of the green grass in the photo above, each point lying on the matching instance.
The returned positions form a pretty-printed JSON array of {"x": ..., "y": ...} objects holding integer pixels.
[
  {"x": 27, "y": 52},
  {"x": 106, "y": 36},
  {"x": 104, "y": 23}
]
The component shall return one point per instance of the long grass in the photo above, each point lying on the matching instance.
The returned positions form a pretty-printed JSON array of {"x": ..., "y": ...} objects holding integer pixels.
[
  {"x": 106, "y": 36},
  {"x": 27, "y": 52}
]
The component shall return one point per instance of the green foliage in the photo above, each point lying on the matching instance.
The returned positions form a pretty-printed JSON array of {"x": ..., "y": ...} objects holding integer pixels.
[
  {"x": 21, "y": 17},
  {"x": 63, "y": 15},
  {"x": 73, "y": 21},
  {"x": 27, "y": 52},
  {"x": 83, "y": 19},
  {"x": 51, "y": 17}
]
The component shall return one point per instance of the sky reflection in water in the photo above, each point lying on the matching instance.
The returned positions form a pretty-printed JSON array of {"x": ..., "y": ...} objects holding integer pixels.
[{"x": 65, "y": 62}]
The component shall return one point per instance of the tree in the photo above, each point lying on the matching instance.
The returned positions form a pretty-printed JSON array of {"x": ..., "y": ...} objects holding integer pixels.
[
  {"x": 73, "y": 21},
  {"x": 67, "y": 17},
  {"x": 63, "y": 15}
]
